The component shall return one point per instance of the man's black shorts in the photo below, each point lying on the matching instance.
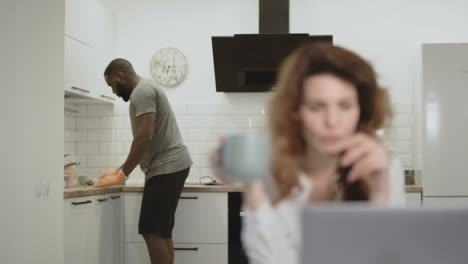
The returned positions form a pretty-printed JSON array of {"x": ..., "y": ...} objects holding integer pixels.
[{"x": 160, "y": 198}]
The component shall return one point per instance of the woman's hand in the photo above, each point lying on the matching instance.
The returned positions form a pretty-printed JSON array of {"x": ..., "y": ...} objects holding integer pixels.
[{"x": 369, "y": 160}]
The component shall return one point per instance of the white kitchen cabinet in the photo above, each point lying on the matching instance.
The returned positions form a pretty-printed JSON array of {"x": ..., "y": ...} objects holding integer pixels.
[
  {"x": 445, "y": 202},
  {"x": 101, "y": 89},
  {"x": 183, "y": 253},
  {"x": 90, "y": 33},
  {"x": 81, "y": 16},
  {"x": 413, "y": 199},
  {"x": 200, "y": 232},
  {"x": 78, "y": 64},
  {"x": 92, "y": 229},
  {"x": 91, "y": 22},
  {"x": 77, "y": 218},
  {"x": 200, "y": 218},
  {"x": 136, "y": 253},
  {"x": 108, "y": 208}
]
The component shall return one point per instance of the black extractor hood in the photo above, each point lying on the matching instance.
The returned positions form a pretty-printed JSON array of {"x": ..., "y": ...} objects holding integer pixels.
[{"x": 249, "y": 62}]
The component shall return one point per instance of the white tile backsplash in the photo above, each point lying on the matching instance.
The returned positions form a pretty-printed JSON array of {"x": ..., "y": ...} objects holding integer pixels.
[
  {"x": 258, "y": 121},
  {"x": 117, "y": 160},
  {"x": 122, "y": 135},
  {"x": 88, "y": 123},
  {"x": 201, "y": 161},
  {"x": 107, "y": 122},
  {"x": 206, "y": 172},
  {"x": 198, "y": 135},
  {"x": 82, "y": 110},
  {"x": 112, "y": 148},
  {"x": 403, "y": 133},
  {"x": 82, "y": 160},
  {"x": 179, "y": 109},
  {"x": 102, "y": 134},
  {"x": 70, "y": 148},
  {"x": 193, "y": 147},
  {"x": 81, "y": 135},
  {"x": 98, "y": 162},
  {"x": 70, "y": 122},
  {"x": 206, "y": 147},
  {"x": 100, "y": 110},
  {"x": 400, "y": 108},
  {"x": 70, "y": 135},
  {"x": 87, "y": 148},
  {"x": 194, "y": 174},
  {"x": 92, "y": 173},
  {"x": 121, "y": 109},
  {"x": 401, "y": 120}
]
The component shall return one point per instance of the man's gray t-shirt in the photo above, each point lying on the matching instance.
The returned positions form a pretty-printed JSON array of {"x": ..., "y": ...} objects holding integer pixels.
[{"x": 166, "y": 152}]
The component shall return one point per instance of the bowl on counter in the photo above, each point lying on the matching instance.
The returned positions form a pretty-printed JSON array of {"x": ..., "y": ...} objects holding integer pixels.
[{"x": 85, "y": 180}]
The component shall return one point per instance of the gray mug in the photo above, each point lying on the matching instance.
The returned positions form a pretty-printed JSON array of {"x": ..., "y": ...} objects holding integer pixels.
[{"x": 246, "y": 157}]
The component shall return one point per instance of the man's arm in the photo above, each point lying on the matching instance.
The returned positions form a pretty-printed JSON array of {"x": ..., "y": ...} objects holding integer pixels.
[{"x": 144, "y": 128}]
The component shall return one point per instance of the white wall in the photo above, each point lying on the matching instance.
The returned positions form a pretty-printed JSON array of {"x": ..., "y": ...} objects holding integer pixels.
[
  {"x": 145, "y": 26},
  {"x": 31, "y": 228},
  {"x": 387, "y": 33}
]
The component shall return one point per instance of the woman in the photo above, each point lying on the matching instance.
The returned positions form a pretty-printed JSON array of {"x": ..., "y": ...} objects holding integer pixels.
[{"x": 322, "y": 119}]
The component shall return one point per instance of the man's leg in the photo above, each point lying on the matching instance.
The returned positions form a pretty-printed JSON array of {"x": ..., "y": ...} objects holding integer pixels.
[
  {"x": 157, "y": 249},
  {"x": 159, "y": 204},
  {"x": 170, "y": 249}
]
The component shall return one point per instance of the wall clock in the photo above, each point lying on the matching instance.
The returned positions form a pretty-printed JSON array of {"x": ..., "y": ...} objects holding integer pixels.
[{"x": 169, "y": 67}]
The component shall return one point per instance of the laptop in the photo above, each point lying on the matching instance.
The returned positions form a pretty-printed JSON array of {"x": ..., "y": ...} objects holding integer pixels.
[{"x": 361, "y": 234}]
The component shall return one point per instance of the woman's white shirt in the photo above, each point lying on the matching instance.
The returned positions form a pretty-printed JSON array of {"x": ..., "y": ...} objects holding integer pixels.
[{"x": 272, "y": 234}]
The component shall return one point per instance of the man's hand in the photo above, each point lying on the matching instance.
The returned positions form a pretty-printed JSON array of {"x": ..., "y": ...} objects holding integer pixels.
[{"x": 111, "y": 178}]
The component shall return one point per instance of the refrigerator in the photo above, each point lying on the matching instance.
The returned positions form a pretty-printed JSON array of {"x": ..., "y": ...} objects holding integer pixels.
[{"x": 444, "y": 141}]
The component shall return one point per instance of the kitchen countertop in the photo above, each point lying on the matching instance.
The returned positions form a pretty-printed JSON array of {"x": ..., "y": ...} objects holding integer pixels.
[{"x": 81, "y": 191}]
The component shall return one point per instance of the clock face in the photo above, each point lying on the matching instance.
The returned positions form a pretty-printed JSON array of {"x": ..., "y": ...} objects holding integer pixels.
[{"x": 169, "y": 67}]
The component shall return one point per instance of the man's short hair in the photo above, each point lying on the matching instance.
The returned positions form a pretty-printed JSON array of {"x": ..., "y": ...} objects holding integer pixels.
[{"x": 117, "y": 65}]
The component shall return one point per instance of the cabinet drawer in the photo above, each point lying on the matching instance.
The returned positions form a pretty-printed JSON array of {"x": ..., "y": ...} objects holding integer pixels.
[
  {"x": 184, "y": 253},
  {"x": 200, "y": 218}
]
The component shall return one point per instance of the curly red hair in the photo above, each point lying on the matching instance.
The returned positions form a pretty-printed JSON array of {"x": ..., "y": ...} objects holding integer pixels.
[{"x": 288, "y": 143}]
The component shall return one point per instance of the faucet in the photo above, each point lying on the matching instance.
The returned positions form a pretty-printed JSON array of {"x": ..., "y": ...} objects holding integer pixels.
[{"x": 71, "y": 164}]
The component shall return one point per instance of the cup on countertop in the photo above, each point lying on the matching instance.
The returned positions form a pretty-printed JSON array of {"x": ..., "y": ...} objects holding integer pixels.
[{"x": 246, "y": 157}]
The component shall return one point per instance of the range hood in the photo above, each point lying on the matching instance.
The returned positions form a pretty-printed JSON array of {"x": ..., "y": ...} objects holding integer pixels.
[{"x": 249, "y": 62}]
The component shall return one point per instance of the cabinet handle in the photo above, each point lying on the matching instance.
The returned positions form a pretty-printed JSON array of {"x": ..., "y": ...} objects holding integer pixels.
[
  {"x": 84, "y": 202},
  {"x": 187, "y": 249},
  {"x": 108, "y": 97},
  {"x": 189, "y": 198},
  {"x": 80, "y": 89},
  {"x": 102, "y": 200},
  {"x": 115, "y": 197}
]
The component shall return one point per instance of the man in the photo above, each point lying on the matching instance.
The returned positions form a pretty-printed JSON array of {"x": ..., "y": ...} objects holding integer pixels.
[{"x": 158, "y": 147}]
